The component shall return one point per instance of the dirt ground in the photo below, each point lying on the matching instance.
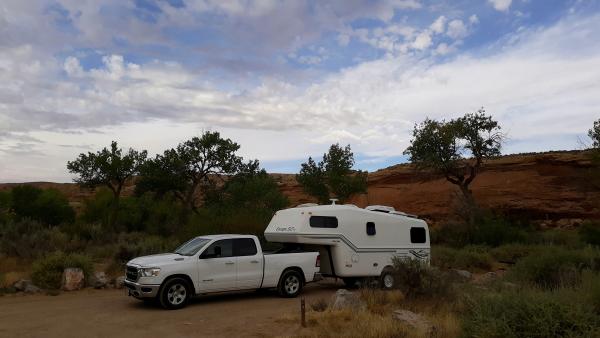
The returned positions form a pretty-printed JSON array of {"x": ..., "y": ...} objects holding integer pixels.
[{"x": 110, "y": 313}]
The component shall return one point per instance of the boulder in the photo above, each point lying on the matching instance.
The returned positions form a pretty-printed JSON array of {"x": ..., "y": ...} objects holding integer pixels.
[
  {"x": 99, "y": 280},
  {"x": 462, "y": 275},
  {"x": 120, "y": 282},
  {"x": 344, "y": 299},
  {"x": 25, "y": 285},
  {"x": 415, "y": 321},
  {"x": 73, "y": 279}
]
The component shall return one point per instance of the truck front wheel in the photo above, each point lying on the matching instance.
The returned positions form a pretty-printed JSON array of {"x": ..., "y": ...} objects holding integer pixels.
[
  {"x": 290, "y": 284},
  {"x": 174, "y": 294}
]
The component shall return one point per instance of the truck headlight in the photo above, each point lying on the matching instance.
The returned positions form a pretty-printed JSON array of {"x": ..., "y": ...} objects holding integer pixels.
[{"x": 149, "y": 272}]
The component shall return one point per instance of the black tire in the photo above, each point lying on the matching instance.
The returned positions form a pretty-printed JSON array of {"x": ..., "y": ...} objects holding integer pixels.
[
  {"x": 350, "y": 282},
  {"x": 387, "y": 281},
  {"x": 174, "y": 293},
  {"x": 290, "y": 284}
]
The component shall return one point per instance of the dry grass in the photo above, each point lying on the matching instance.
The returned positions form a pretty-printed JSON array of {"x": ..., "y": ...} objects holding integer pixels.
[{"x": 376, "y": 320}]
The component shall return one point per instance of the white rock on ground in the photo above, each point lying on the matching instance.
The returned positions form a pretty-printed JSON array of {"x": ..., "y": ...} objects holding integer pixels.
[
  {"x": 463, "y": 275},
  {"x": 25, "y": 285},
  {"x": 120, "y": 282},
  {"x": 414, "y": 320},
  {"x": 344, "y": 299},
  {"x": 99, "y": 280},
  {"x": 73, "y": 279}
]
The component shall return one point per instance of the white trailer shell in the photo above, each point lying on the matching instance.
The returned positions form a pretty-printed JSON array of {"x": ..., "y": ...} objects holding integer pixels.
[{"x": 348, "y": 250}]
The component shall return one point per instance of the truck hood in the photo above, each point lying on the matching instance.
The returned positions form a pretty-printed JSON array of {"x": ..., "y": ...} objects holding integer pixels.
[{"x": 158, "y": 260}]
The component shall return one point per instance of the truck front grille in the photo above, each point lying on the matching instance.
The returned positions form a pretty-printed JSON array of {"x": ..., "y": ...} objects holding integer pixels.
[{"x": 131, "y": 273}]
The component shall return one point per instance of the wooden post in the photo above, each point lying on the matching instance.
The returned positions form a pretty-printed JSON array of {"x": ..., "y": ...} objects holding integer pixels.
[{"x": 302, "y": 312}]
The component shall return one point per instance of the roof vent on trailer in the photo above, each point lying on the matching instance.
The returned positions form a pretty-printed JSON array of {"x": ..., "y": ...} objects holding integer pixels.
[
  {"x": 380, "y": 208},
  {"x": 333, "y": 200}
]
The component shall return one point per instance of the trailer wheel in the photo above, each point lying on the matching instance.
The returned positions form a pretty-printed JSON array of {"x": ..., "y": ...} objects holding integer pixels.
[
  {"x": 387, "y": 280},
  {"x": 290, "y": 284},
  {"x": 174, "y": 294}
]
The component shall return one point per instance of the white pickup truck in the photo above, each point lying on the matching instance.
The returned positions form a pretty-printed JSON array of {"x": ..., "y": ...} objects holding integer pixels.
[{"x": 218, "y": 263}]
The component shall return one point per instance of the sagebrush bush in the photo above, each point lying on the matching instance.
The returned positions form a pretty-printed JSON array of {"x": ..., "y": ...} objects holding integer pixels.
[
  {"x": 131, "y": 245},
  {"x": 469, "y": 257},
  {"x": 486, "y": 229},
  {"x": 530, "y": 313},
  {"x": 47, "y": 272},
  {"x": 589, "y": 232},
  {"x": 563, "y": 237},
  {"x": 553, "y": 266},
  {"x": 513, "y": 252},
  {"x": 416, "y": 279},
  {"x": 27, "y": 238}
]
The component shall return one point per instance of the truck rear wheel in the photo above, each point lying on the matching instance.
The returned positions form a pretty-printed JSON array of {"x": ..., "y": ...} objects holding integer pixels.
[
  {"x": 174, "y": 294},
  {"x": 290, "y": 284}
]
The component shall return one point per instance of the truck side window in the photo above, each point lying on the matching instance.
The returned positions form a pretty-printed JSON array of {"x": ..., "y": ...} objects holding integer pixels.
[
  {"x": 417, "y": 235},
  {"x": 244, "y": 247},
  {"x": 323, "y": 222},
  {"x": 371, "y": 229},
  {"x": 219, "y": 249}
]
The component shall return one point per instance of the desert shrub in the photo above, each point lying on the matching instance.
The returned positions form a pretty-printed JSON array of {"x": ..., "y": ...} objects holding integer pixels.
[
  {"x": 486, "y": 230},
  {"x": 47, "y": 272},
  {"x": 131, "y": 245},
  {"x": 589, "y": 232},
  {"x": 48, "y": 206},
  {"x": 380, "y": 301},
  {"x": 511, "y": 253},
  {"x": 552, "y": 267},
  {"x": 469, "y": 257},
  {"x": 319, "y": 305},
  {"x": 530, "y": 313},
  {"x": 31, "y": 239},
  {"x": 562, "y": 237},
  {"x": 416, "y": 279}
]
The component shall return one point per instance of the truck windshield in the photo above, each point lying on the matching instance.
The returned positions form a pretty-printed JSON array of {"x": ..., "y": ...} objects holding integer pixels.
[{"x": 192, "y": 246}]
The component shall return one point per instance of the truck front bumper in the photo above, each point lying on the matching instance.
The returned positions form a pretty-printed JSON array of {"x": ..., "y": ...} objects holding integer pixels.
[{"x": 138, "y": 290}]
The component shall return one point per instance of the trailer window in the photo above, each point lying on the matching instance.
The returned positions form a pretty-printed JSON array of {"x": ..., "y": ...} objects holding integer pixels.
[
  {"x": 244, "y": 247},
  {"x": 371, "y": 229},
  {"x": 323, "y": 222},
  {"x": 417, "y": 235}
]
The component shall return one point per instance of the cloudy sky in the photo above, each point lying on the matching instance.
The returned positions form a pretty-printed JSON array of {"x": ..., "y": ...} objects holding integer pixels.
[{"x": 286, "y": 79}]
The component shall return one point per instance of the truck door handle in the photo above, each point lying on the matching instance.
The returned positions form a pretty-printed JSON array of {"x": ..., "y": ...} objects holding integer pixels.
[
  {"x": 253, "y": 261},
  {"x": 229, "y": 263}
]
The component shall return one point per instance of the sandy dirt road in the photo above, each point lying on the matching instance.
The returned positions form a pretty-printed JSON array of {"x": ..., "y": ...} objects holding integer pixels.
[{"x": 110, "y": 313}]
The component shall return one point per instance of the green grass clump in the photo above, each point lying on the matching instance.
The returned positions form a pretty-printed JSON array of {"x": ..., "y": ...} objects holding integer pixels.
[
  {"x": 531, "y": 313},
  {"x": 469, "y": 258},
  {"x": 554, "y": 266},
  {"x": 589, "y": 233},
  {"x": 513, "y": 252},
  {"x": 47, "y": 272}
]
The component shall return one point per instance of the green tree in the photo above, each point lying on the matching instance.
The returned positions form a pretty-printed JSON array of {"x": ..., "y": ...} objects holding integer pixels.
[
  {"x": 48, "y": 206},
  {"x": 333, "y": 176},
  {"x": 457, "y": 148},
  {"x": 594, "y": 134},
  {"x": 191, "y": 169},
  {"x": 110, "y": 168}
]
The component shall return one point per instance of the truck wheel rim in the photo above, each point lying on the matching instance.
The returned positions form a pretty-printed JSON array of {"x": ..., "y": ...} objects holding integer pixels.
[
  {"x": 388, "y": 281},
  {"x": 292, "y": 284},
  {"x": 176, "y": 294}
]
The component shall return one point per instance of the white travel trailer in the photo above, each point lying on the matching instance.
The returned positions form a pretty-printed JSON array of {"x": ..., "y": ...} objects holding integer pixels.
[{"x": 354, "y": 243}]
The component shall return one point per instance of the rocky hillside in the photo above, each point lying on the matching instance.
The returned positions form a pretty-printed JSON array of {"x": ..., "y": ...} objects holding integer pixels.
[{"x": 554, "y": 189}]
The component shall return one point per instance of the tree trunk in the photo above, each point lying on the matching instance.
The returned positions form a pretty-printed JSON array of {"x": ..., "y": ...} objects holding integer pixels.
[
  {"x": 115, "y": 208},
  {"x": 469, "y": 201}
]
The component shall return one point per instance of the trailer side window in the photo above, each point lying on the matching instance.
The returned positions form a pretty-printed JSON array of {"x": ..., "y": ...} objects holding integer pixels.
[
  {"x": 371, "y": 229},
  {"x": 417, "y": 235},
  {"x": 323, "y": 222}
]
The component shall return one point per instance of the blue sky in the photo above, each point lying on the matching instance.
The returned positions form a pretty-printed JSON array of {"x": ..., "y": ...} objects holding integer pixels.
[{"x": 286, "y": 79}]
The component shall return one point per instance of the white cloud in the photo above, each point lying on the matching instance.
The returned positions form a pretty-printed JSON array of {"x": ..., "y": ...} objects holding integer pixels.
[
  {"x": 501, "y": 5},
  {"x": 422, "y": 41},
  {"x": 457, "y": 29},
  {"x": 439, "y": 25},
  {"x": 343, "y": 39}
]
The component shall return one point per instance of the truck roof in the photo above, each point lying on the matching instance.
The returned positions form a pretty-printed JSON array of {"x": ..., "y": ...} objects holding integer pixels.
[{"x": 217, "y": 236}]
